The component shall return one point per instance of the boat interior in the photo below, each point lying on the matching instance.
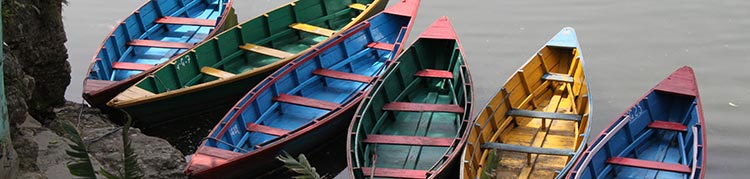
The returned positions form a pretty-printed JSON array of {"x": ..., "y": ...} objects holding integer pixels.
[{"x": 535, "y": 123}]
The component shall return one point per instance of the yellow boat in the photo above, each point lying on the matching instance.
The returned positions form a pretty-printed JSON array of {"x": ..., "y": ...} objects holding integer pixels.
[{"x": 538, "y": 122}]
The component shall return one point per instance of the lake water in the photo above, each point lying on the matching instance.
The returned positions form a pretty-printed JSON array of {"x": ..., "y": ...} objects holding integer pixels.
[{"x": 629, "y": 46}]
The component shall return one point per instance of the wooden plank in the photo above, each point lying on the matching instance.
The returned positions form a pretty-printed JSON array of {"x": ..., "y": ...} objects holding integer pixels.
[
  {"x": 159, "y": 44},
  {"x": 133, "y": 92},
  {"x": 312, "y": 29},
  {"x": 558, "y": 77},
  {"x": 394, "y": 173},
  {"x": 216, "y": 72},
  {"x": 631, "y": 162},
  {"x": 131, "y": 66},
  {"x": 408, "y": 140},
  {"x": 358, "y": 6},
  {"x": 422, "y": 107},
  {"x": 381, "y": 46},
  {"x": 527, "y": 149},
  {"x": 343, "y": 75},
  {"x": 253, "y": 127},
  {"x": 186, "y": 21},
  {"x": 666, "y": 125},
  {"x": 430, "y": 73},
  {"x": 265, "y": 50},
  {"x": 544, "y": 115},
  {"x": 309, "y": 102}
]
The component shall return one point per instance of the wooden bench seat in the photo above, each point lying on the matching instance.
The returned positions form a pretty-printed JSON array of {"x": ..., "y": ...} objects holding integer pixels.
[
  {"x": 312, "y": 29},
  {"x": 544, "y": 115},
  {"x": 430, "y": 73},
  {"x": 422, "y": 107},
  {"x": 216, "y": 72},
  {"x": 159, "y": 44},
  {"x": 527, "y": 149},
  {"x": 666, "y": 125},
  {"x": 131, "y": 66},
  {"x": 343, "y": 75},
  {"x": 394, "y": 173},
  {"x": 408, "y": 140},
  {"x": 186, "y": 21},
  {"x": 309, "y": 102},
  {"x": 358, "y": 6},
  {"x": 631, "y": 162},
  {"x": 381, "y": 46},
  {"x": 266, "y": 51},
  {"x": 253, "y": 127}
]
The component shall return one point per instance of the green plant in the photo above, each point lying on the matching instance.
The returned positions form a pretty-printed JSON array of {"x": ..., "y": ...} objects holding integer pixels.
[
  {"x": 301, "y": 166},
  {"x": 81, "y": 165}
]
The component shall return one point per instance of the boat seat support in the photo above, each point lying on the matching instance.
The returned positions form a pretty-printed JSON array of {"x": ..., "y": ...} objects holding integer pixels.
[
  {"x": 266, "y": 51},
  {"x": 159, "y": 44},
  {"x": 631, "y": 162},
  {"x": 394, "y": 173},
  {"x": 558, "y": 77},
  {"x": 408, "y": 140},
  {"x": 309, "y": 102},
  {"x": 422, "y": 107},
  {"x": 666, "y": 125},
  {"x": 216, "y": 72},
  {"x": 430, "y": 73},
  {"x": 253, "y": 127},
  {"x": 544, "y": 115},
  {"x": 343, "y": 75},
  {"x": 131, "y": 66},
  {"x": 312, "y": 29},
  {"x": 186, "y": 21}
]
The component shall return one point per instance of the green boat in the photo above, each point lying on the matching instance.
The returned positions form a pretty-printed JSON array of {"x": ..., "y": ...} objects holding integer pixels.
[
  {"x": 215, "y": 74},
  {"x": 415, "y": 121}
]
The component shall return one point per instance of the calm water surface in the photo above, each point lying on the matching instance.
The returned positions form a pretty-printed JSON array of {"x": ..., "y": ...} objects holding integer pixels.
[{"x": 629, "y": 46}]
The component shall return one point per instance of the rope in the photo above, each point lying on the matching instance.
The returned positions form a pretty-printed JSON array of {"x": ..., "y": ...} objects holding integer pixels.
[{"x": 95, "y": 139}]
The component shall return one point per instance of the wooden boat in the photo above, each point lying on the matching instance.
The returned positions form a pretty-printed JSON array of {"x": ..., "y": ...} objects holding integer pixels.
[
  {"x": 661, "y": 136},
  {"x": 537, "y": 124},
  {"x": 215, "y": 74},
  {"x": 155, "y": 32},
  {"x": 306, "y": 101},
  {"x": 413, "y": 123}
]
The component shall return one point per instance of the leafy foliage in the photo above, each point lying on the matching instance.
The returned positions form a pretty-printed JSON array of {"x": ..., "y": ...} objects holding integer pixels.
[
  {"x": 81, "y": 165},
  {"x": 301, "y": 167}
]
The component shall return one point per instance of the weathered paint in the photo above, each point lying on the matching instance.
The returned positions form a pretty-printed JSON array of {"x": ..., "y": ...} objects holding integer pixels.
[
  {"x": 151, "y": 35},
  {"x": 310, "y": 107},
  {"x": 251, "y": 51},
  {"x": 529, "y": 89},
  {"x": 662, "y": 135},
  {"x": 414, "y": 122}
]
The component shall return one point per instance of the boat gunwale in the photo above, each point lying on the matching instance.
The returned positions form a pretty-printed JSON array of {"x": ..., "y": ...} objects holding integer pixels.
[{"x": 265, "y": 68}]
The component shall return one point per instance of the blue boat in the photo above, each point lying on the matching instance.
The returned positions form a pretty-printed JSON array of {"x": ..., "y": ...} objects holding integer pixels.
[
  {"x": 660, "y": 136},
  {"x": 155, "y": 32},
  {"x": 306, "y": 101}
]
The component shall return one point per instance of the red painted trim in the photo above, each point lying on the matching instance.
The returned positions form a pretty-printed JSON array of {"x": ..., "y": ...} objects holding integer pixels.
[
  {"x": 131, "y": 66},
  {"x": 160, "y": 44},
  {"x": 668, "y": 126},
  {"x": 309, "y": 102},
  {"x": 409, "y": 140},
  {"x": 405, "y": 8},
  {"x": 430, "y": 73},
  {"x": 343, "y": 75},
  {"x": 440, "y": 29},
  {"x": 649, "y": 164},
  {"x": 217, "y": 152},
  {"x": 422, "y": 107},
  {"x": 253, "y": 127},
  {"x": 186, "y": 21},
  {"x": 381, "y": 46},
  {"x": 395, "y": 173},
  {"x": 681, "y": 81}
]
